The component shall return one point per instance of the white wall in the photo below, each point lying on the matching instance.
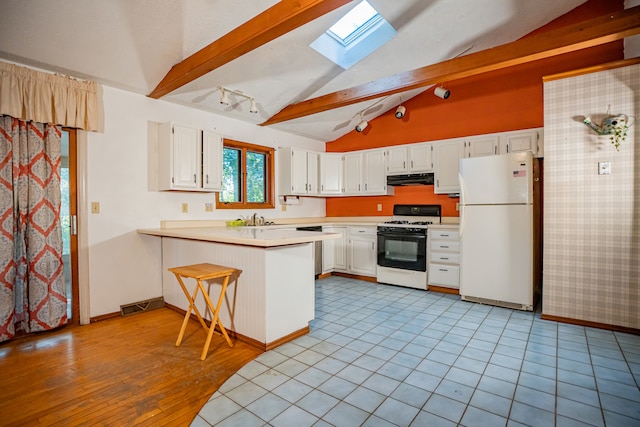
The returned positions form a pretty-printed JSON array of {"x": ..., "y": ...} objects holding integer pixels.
[
  {"x": 631, "y": 44},
  {"x": 123, "y": 266}
]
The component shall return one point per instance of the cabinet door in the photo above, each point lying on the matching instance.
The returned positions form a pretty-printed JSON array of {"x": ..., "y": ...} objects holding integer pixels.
[
  {"x": 447, "y": 166},
  {"x": 334, "y": 251},
  {"x": 330, "y": 173},
  {"x": 353, "y": 173},
  {"x": 299, "y": 183},
  {"x": 482, "y": 146},
  {"x": 211, "y": 161},
  {"x": 421, "y": 158},
  {"x": 396, "y": 160},
  {"x": 187, "y": 151},
  {"x": 312, "y": 173},
  {"x": 517, "y": 141},
  {"x": 362, "y": 256},
  {"x": 375, "y": 180}
]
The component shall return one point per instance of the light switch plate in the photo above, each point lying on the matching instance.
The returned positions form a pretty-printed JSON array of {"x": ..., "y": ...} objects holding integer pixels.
[
  {"x": 95, "y": 207},
  {"x": 604, "y": 168}
]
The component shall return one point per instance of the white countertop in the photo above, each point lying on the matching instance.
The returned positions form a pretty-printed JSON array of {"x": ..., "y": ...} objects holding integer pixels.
[{"x": 248, "y": 236}]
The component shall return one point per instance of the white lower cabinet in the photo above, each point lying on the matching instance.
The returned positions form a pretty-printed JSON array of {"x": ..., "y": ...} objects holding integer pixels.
[
  {"x": 362, "y": 252},
  {"x": 334, "y": 251},
  {"x": 444, "y": 257}
]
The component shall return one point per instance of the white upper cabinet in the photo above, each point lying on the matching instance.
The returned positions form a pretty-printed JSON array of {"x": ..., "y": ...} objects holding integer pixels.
[
  {"x": 374, "y": 164},
  {"x": 330, "y": 165},
  {"x": 482, "y": 145},
  {"x": 353, "y": 173},
  {"x": 186, "y": 158},
  {"x": 420, "y": 158},
  {"x": 211, "y": 161},
  {"x": 447, "y": 155},
  {"x": 522, "y": 140},
  {"x": 411, "y": 158},
  {"x": 297, "y": 172},
  {"x": 397, "y": 160}
]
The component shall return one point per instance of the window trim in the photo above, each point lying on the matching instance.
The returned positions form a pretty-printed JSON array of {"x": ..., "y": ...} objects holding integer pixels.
[{"x": 269, "y": 152}]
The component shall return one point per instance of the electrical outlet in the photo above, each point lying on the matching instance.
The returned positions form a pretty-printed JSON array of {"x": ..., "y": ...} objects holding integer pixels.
[
  {"x": 284, "y": 208},
  {"x": 185, "y": 207},
  {"x": 604, "y": 168},
  {"x": 208, "y": 207},
  {"x": 379, "y": 207},
  {"x": 95, "y": 207}
]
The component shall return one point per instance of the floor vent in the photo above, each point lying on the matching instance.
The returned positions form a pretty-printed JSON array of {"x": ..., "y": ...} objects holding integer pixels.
[
  {"x": 140, "y": 306},
  {"x": 498, "y": 303}
]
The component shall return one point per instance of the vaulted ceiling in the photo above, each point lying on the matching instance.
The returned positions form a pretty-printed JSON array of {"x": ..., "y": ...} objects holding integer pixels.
[{"x": 182, "y": 50}]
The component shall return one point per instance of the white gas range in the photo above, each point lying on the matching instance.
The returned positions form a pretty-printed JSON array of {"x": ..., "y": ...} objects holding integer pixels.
[{"x": 402, "y": 245}]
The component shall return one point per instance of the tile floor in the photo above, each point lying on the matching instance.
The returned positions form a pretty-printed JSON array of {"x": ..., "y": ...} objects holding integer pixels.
[{"x": 381, "y": 355}]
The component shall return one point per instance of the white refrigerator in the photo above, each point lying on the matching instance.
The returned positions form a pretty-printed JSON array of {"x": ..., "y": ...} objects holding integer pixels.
[{"x": 497, "y": 230}]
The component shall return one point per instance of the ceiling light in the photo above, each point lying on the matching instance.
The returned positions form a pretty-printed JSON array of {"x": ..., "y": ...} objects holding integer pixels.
[
  {"x": 441, "y": 92},
  {"x": 400, "y": 111},
  {"x": 224, "y": 99}
]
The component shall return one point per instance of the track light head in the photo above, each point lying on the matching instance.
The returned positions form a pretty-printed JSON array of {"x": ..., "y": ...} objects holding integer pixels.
[
  {"x": 224, "y": 99},
  {"x": 253, "y": 108},
  {"x": 441, "y": 92},
  {"x": 362, "y": 125},
  {"x": 400, "y": 111}
]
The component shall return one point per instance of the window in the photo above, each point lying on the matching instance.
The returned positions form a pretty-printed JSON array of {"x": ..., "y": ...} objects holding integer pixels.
[
  {"x": 354, "y": 23},
  {"x": 247, "y": 176},
  {"x": 354, "y": 36}
]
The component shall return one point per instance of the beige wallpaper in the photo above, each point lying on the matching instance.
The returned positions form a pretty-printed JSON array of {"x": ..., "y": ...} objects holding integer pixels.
[{"x": 591, "y": 221}]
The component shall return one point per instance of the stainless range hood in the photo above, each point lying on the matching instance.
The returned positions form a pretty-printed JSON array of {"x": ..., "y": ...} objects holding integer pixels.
[{"x": 410, "y": 179}]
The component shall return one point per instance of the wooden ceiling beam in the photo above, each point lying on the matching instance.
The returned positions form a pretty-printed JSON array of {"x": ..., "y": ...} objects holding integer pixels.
[
  {"x": 284, "y": 16},
  {"x": 604, "y": 29}
]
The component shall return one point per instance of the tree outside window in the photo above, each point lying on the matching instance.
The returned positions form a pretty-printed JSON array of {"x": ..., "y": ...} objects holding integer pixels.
[{"x": 247, "y": 176}]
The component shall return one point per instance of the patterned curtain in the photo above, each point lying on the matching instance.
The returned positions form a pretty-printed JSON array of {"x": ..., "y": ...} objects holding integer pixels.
[{"x": 32, "y": 285}]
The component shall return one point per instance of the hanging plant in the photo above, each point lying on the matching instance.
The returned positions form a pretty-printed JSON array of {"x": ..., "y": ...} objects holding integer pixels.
[{"x": 617, "y": 127}]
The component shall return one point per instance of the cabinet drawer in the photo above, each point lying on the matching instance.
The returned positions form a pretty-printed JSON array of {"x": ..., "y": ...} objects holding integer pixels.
[
  {"x": 444, "y": 246},
  {"x": 444, "y": 275},
  {"x": 449, "y": 258},
  {"x": 444, "y": 234},
  {"x": 363, "y": 231}
]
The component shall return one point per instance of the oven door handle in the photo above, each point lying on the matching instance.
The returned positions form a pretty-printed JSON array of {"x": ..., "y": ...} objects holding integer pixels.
[{"x": 401, "y": 235}]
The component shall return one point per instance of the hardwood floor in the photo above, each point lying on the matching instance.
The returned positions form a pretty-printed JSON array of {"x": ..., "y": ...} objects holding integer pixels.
[{"x": 122, "y": 371}]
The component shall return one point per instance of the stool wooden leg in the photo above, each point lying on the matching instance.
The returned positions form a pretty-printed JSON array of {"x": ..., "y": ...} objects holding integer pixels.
[
  {"x": 215, "y": 319},
  {"x": 186, "y": 316},
  {"x": 192, "y": 306}
]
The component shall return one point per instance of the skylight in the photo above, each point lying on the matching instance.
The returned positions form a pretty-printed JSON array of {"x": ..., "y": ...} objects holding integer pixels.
[
  {"x": 360, "y": 17},
  {"x": 354, "y": 36}
]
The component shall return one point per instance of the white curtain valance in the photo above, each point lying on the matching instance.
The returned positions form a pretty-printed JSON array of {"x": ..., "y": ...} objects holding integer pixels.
[{"x": 32, "y": 95}]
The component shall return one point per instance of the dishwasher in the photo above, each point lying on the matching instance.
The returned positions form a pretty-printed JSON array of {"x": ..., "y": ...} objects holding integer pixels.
[{"x": 317, "y": 248}]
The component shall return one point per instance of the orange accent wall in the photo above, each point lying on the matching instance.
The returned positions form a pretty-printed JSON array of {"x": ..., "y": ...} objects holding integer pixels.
[{"x": 498, "y": 101}]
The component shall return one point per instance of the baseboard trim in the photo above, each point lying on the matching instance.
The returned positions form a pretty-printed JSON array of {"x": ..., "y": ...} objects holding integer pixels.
[
  {"x": 245, "y": 339},
  {"x": 355, "y": 276},
  {"x": 590, "y": 324},
  {"x": 444, "y": 290},
  {"x": 104, "y": 317}
]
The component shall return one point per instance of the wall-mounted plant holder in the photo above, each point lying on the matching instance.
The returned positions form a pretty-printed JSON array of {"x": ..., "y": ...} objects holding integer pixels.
[{"x": 617, "y": 127}]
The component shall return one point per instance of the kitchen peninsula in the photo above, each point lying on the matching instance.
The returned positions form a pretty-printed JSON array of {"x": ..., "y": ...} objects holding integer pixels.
[{"x": 272, "y": 300}]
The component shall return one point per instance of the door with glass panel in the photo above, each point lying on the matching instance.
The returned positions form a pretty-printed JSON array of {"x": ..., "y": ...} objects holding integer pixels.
[{"x": 69, "y": 221}]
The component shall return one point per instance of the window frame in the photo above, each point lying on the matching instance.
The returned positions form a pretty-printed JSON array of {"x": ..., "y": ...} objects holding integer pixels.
[{"x": 269, "y": 153}]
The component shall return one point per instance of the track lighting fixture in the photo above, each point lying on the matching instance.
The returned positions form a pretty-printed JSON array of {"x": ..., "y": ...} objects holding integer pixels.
[
  {"x": 362, "y": 125},
  {"x": 252, "y": 107},
  {"x": 400, "y": 111},
  {"x": 224, "y": 98},
  {"x": 441, "y": 92}
]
